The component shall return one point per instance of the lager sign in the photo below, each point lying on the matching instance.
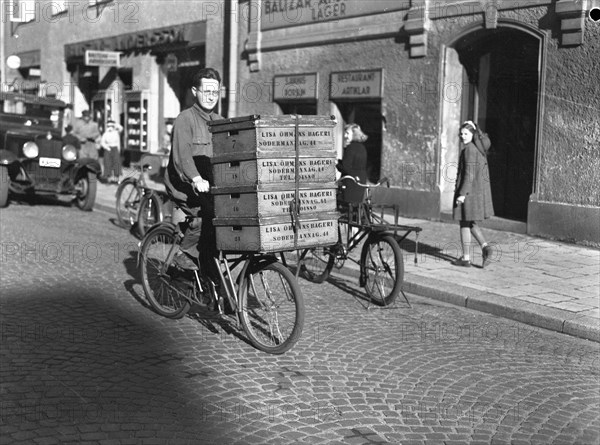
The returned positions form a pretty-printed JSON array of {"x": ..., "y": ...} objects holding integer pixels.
[
  {"x": 357, "y": 84},
  {"x": 102, "y": 58},
  {"x": 295, "y": 87}
]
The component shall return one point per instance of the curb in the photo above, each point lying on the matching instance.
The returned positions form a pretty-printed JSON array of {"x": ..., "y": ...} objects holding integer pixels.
[
  {"x": 498, "y": 305},
  {"x": 483, "y": 301}
]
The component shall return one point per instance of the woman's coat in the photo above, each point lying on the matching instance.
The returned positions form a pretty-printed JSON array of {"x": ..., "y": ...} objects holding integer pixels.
[{"x": 473, "y": 182}]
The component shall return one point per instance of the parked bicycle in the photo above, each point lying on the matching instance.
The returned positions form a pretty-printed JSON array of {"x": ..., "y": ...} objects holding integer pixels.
[
  {"x": 364, "y": 221},
  {"x": 264, "y": 296},
  {"x": 140, "y": 199}
]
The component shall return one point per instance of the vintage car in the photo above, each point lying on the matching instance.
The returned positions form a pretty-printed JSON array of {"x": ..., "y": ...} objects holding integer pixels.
[{"x": 33, "y": 158}]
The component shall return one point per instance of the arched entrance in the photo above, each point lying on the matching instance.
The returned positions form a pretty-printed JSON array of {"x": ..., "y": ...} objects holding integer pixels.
[{"x": 498, "y": 71}]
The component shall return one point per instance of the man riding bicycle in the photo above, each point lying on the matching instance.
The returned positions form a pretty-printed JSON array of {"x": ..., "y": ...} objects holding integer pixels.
[{"x": 189, "y": 173}]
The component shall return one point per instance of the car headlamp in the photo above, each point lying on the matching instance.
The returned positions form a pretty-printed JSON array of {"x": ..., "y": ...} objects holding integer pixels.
[
  {"x": 69, "y": 153},
  {"x": 31, "y": 150}
]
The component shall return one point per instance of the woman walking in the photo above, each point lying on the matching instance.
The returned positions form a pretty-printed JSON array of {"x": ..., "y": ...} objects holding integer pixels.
[{"x": 473, "y": 195}]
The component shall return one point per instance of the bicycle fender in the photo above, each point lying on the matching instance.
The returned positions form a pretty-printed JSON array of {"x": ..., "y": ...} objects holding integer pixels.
[
  {"x": 158, "y": 225},
  {"x": 260, "y": 262}
]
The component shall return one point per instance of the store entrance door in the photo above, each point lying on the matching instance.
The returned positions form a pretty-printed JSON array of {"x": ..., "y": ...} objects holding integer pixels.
[
  {"x": 501, "y": 94},
  {"x": 368, "y": 116}
]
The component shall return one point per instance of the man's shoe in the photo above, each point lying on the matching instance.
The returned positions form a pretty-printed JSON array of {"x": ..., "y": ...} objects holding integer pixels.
[
  {"x": 185, "y": 261},
  {"x": 487, "y": 252},
  {"x": 461, "y": 262}
]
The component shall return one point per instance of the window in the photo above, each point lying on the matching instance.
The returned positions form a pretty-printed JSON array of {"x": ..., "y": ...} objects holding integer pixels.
[
  {"x": 22, "y": 11},
  {"x": 59, "y": 6}
]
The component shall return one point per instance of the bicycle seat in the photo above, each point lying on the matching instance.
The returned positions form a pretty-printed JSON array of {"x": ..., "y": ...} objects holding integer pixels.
[{"x": 153, "y": 172}]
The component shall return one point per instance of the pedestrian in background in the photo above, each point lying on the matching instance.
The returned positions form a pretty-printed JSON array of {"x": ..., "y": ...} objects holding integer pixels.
[
  {"x": 473, "y": 194},
  {"x": 353, "y": 163},
  {"x": 86, "y": 130},
  {"x": 70, "y": 139},
  {"x": 111, "y": 144}
]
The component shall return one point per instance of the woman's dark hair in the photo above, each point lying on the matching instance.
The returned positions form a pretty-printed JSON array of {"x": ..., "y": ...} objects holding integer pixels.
[{"x": 205, "y": 73}]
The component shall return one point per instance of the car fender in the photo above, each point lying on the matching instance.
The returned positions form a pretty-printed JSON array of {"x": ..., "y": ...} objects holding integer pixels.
[
  {"x": 7, "y": 157},
  {"x": 88, "y": 164}
]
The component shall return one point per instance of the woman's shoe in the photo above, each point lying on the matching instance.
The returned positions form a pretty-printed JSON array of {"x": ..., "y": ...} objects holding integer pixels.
[
  {"x": 486, "y": 254},
  {"x": 461, "y": 262}
]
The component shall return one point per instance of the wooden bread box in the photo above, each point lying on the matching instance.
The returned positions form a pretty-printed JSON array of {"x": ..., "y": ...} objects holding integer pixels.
[
  {"x": 276, "y": 234},
  {"x": 263, "y": 202},
  {"x": 259, "y": 137}
]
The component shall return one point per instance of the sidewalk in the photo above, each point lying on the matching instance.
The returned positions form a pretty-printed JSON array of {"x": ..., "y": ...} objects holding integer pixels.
[{"x": 543, "y": 283}]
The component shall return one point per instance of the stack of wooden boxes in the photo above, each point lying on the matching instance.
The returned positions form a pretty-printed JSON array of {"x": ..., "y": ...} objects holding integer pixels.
[{"x": 263, "y": 203}]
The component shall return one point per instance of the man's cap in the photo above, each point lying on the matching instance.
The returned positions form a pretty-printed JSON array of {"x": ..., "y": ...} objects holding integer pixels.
[
  {"x": 85, "y": 113},
  {"x": 68, "y": 128}
]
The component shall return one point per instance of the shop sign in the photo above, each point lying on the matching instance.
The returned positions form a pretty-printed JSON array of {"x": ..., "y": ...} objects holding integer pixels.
[
  {"x": 284, "y": 13},
  {"x": 366, "y": 84},
  {"x": 102, "y": 58},
  {"x": 190, "y": 34},
  {"x": 295, "y": 87}
]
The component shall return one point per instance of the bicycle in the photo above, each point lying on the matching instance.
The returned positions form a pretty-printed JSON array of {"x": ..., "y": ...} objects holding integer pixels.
[
  {"x": 265, "y": 298},
  {"x": 155, "y": 206},
  {"x": 381, "y": 262},
  {"x": 141, "y": 193}
]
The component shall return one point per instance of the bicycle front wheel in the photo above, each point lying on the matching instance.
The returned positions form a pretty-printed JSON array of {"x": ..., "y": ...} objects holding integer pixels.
[
  {"x": 128, "y": 202},
  {"x": 317, "y": 264},
  {"x": 383, "y": 267},
  {"x": 271, "y": 308},
  {"x": 167, "y": 288},
  {"x": 150, "y": 213}
]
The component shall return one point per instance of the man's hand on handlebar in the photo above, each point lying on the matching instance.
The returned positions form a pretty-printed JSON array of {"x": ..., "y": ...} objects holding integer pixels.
[{"x": 201, "y": 185}]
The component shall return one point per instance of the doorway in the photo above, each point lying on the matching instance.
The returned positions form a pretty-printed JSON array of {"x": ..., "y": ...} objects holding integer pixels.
[
  {"x": 499, "y": 72},
  {"x": 302, "y": 108},
  {"x": 368, "y": 116}
]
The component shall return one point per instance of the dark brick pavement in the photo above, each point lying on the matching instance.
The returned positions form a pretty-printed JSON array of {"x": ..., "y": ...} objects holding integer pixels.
[{"x": 84, "y": 360}]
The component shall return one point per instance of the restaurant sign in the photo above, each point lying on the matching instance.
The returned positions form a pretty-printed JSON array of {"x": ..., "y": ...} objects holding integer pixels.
[
  {"x": 366, "y": 84},
  {"x": 295, "y": 87},
  {"x": 284, "y": 13}
]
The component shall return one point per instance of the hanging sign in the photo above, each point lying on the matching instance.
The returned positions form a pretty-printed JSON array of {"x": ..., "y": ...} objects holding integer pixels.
[
  {"x": 366, "y": 84},
  {"x": 102, "y": 58},
  {"x": 295, "y": 87}
]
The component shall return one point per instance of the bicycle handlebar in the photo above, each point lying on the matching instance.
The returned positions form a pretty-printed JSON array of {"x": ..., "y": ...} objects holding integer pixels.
[{"x": 379, "y": 183}]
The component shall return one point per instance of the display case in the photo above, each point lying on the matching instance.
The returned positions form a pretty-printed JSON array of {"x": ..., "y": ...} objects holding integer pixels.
[{"x": 136, "y": 120}]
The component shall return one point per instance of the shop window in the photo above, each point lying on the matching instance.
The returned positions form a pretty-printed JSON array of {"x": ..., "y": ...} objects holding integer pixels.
[
  {"x": 368, "y": 116},
  {"x": 298, "y": 108}
]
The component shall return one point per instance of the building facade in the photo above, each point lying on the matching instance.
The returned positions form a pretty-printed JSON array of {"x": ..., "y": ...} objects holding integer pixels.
[
  {"x": 126, "y": 61},
  {"x": 409, "y": 72}
]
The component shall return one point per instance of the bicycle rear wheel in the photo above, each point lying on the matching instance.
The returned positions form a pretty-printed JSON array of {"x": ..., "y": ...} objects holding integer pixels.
[
  {"x": 168, "y": 289},
  {"x": 383, "y": 267},
  {"x": 271, "y": 307},
  {"x": 150, "y": 213},
  {"x": 128, "y": 202},
  {"x": 317, "y": 264}
]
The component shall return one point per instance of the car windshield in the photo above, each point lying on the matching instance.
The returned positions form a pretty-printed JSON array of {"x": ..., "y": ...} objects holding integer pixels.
[{"x": 31, "y": 110}]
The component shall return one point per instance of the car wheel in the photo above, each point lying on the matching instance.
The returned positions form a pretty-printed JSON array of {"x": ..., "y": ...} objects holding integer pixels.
[
  {"x": 4, "y": 184},
  {"x": 86, "y": 191}
]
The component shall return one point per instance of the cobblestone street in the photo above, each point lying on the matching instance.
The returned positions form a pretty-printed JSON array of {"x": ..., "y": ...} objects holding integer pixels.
[{"x": 85, "y": 360}]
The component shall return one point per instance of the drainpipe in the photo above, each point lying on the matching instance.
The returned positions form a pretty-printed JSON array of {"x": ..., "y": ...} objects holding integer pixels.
[
  {"x": 233, "y": 58},
  {"x": 2, "y": 55}
]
